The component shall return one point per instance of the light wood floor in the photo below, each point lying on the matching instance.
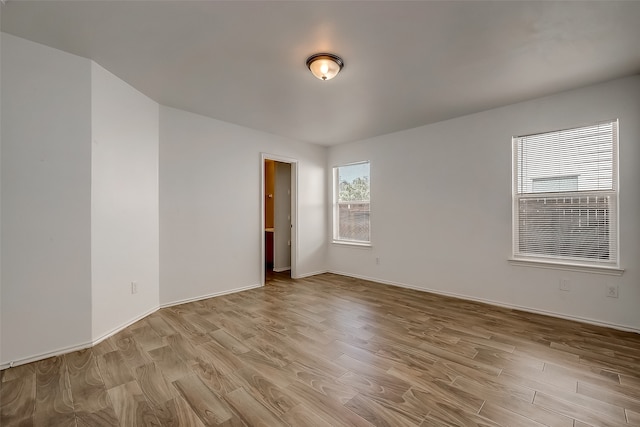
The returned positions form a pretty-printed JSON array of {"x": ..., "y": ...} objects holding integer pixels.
[{"x": 334, "y": 351}]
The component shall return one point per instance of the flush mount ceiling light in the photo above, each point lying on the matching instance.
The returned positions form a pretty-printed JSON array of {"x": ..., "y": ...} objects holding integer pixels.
[{"x": 325, "y": 66}]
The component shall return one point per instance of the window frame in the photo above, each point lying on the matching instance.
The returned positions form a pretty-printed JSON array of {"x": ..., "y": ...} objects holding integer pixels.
[
  {"x": 335, "y": 238},
  {"x": 611, "y": 267}
]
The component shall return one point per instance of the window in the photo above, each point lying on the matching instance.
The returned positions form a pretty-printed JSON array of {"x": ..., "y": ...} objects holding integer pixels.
[
  {"x": 351, "y": 203},
  {"x": 565, "y": 195}
]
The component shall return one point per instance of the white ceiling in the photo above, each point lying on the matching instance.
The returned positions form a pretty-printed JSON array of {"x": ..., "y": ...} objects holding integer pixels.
[{"x": 406, "y": 63}]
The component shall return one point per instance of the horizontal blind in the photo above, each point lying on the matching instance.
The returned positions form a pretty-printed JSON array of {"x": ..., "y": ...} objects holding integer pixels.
[
  {"x": 585, "y": 154},
  {"x": 565, "y": 194}
]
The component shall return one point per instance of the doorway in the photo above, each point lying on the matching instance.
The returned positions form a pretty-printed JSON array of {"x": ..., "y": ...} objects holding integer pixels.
[{"x": 278, "y": 218}]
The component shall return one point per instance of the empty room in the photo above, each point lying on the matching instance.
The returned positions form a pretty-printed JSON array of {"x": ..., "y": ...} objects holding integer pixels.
[{"x": 319, "y": 213}]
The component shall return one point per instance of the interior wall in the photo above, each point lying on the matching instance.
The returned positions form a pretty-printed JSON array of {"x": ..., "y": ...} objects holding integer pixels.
[
  {"x": 441, "y": 207},
  {"x": 269, "y": 190},
  {"x": 124, "y": 203},
  {"x": 282, "y": 222},
  {"x": 78, "y": 157},
  {"x": 1, "y": 358},
  {"x": 46, "y": 199},
  {"x": 441, "y": 204},
  {"x": 269, "y": 211},
  {"x": 210, "y": 207}
]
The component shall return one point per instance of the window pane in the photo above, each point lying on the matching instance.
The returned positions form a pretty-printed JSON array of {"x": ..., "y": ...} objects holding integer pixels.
[
  {"x": 353, "y": 183},
  {"x": 352, "y": 203},
  {"x": 571, "y": 227},
  {"x": 555, "y": 184},
  {"x": 354, "y": 221}
]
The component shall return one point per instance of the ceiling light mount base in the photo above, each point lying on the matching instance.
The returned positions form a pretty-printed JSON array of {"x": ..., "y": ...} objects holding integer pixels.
[{"x": 325, "y": 66}]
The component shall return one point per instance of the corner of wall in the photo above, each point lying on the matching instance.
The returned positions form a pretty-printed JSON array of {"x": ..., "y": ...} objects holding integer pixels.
[
  {"x": 124, "y": 204},
  {"x": 45, "y": 199}
]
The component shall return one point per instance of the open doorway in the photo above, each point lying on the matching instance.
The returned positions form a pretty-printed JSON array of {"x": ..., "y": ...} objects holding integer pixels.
[{"x": 279, "y": 176}]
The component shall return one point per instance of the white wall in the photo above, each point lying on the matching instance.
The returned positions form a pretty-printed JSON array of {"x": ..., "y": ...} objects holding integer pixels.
[
  {"x": 101, "y": 187},
  {"x": 80, "y": 199},
  {"x": 79, "y": 202},
  {"x": 441, "y": 207},
  {"x": 124, "y": 203},
  {"x": 210, "y": 214},
  {"x": 46, "y": 176}
]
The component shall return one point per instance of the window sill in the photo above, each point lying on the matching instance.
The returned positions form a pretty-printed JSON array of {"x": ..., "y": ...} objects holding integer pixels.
[
  {"x": 583, "y": 268},
  {"x": 354, "y": 244}
]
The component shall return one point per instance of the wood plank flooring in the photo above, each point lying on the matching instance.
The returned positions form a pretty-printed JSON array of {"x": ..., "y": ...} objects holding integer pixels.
[{"x": 336, "y": 351}]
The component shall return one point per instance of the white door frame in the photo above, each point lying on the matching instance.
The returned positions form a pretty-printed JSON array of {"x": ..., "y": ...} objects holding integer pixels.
[{"x": 294, "y": 211}]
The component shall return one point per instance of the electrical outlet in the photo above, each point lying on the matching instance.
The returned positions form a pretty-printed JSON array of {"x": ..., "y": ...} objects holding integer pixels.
[
  {"x": 565, "y": 285},
  {"x": 134, "y": 287},
  {"x": 377, "y": 260},
  {"x": 612, "y": 290}
]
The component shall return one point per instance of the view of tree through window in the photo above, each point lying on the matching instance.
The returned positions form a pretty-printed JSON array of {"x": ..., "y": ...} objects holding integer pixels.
[
  {"x": 357, "y": 190},
  {"x": 351, "y": 209},
  {"x": 565, "y": 194}
]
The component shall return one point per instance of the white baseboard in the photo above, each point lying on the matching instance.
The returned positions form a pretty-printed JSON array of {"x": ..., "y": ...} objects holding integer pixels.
[
  {"x": 96, "y": 341},
  {"x": 313, "y": 273},
  {"x": 117, "y": 329},
  {"x": 497, "y": 303},
  {"x": 70, "y": 349},
  {"x": 215, "y": 294},
  {"x": 82, "y": 346},
  {"x": 280, "y": 270},
  {"x": 45, "y": 355}
]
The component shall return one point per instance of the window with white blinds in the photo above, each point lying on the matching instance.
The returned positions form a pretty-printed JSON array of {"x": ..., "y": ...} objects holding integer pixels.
[{"x": 565, "y": 195}]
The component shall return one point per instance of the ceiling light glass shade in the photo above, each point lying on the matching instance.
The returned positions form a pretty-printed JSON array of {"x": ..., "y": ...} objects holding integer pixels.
[{"x": 325, "y": 66}]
